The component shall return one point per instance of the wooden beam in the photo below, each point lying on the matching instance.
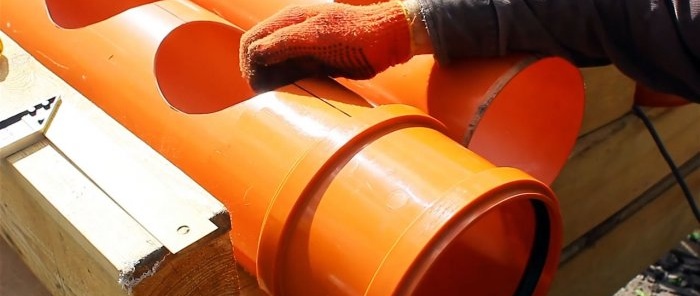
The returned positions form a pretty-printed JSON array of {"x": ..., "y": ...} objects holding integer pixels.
[
  {"x": 627, "y": 249},
  {"x": 83, "y": 242},
  {"x": 602, "y": 229},
  {"x": 609, "y": 95},
  {"x": 67, "y": 203},
  {"x": 166, "y": 202},
  {"x": 616, "y": 163},
  {"x": 66, "y": 228}
]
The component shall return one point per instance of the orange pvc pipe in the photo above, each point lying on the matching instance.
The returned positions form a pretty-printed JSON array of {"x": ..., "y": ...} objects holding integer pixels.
[
  {"x": 515, "y": 111},
  {"x": 327, "y": 197},
  {"x": 245, "y": 14},
  {"x": 80, "y": 13},
  {"x": 645, "y": 96}
]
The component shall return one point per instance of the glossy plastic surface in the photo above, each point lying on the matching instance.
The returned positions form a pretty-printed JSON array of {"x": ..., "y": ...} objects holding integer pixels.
[
  {"x": 196, "y": 70},
  {"x": 81, "y": 13},
  {"x": 245, "y": 14},
  {"x": 515, "y": 111},
  {"x": 327, "y": 196}
]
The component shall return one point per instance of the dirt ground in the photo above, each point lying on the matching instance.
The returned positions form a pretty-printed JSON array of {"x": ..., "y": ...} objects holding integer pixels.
[{"x": 677, "y": 273}]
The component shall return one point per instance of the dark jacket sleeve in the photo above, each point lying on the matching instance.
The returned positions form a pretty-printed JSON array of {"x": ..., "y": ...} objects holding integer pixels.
[{"x": 656, "y": 42}]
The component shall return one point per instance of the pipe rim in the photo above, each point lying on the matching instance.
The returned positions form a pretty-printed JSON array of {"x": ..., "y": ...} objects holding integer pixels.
[{"x": 544, "y": 250}]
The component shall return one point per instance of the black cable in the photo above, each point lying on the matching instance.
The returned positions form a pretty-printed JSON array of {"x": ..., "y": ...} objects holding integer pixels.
[{"x": 674, "y": 169}]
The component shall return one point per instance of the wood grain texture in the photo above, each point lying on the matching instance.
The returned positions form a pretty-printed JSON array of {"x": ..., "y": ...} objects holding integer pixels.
[
  {"x": 609, "y": 95},
  {"x": 141, "y": 181},
  {"x": 24, "y": 81},
  {"x": 616, "y": 163},
  {"x": 15, "y": 276},
  {"x": 629, "y": 248},
  {"x": 110, "y": 255},
  {"x": 106, "y": 249},
  {"x": 54, "y": 250}
]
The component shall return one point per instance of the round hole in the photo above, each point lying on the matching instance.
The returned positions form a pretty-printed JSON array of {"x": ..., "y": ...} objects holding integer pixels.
[
  {"x": 197, "y": 70},
  {"x": 184, "y": 229}
]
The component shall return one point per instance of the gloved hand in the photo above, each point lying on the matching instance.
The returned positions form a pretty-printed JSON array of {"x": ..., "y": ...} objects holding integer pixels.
[{"x": 329, "y": 39}]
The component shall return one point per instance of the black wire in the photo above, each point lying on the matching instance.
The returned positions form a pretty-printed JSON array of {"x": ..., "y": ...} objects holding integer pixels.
[{"x": 674, "y": 169}]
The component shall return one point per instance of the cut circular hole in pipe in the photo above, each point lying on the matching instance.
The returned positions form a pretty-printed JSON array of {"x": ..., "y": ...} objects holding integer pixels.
[{"x": 196, "y": 67}]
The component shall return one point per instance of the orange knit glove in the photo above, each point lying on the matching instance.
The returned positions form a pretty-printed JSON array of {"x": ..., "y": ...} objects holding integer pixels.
[{"x": 330, "y": 39}]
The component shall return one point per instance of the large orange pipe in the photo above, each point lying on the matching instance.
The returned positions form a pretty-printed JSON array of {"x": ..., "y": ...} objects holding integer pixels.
[
  {"x": 648, "y": 97},
  {"x": 327, "y": 196},
  {"x": 515, "y": 111}
]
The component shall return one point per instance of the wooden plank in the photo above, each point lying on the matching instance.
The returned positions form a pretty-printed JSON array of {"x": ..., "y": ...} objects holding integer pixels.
[
  {"x": 615, "y": 164},
  {"x": 67, "y": 259},
  {"x": 103, "y": 241},
  {"x": 609, "y": 95},
  {"x": 602, "y": 229},
  {"x": 84, "y": 242},
  {"x": 161, "y": 197},
  {"x": 103, "y": 156},
  {"x": 614, "y": 259}
]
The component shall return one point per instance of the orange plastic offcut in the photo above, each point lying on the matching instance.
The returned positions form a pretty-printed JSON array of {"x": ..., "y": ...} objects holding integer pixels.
[{"x": 328, "y": 196}]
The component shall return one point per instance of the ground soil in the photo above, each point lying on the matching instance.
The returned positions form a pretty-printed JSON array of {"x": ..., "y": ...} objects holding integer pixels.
[{"x": 677, "y": 273}]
